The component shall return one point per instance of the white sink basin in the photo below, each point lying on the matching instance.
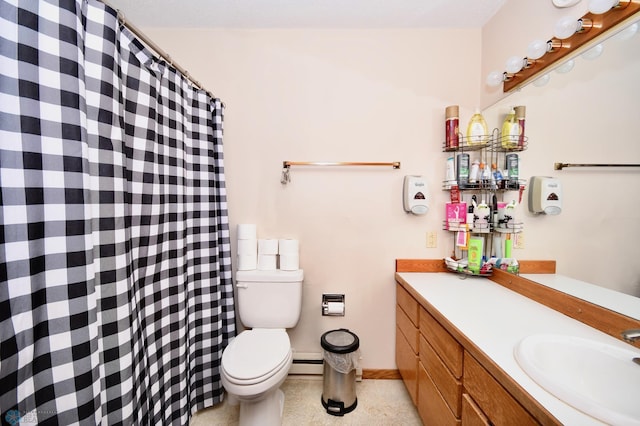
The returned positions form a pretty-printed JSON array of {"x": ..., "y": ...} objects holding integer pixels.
[{"x": 598, "y": 379}]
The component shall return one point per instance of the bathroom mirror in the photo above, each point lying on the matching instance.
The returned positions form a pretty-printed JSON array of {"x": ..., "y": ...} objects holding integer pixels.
[{"x": 590, "y": 114}]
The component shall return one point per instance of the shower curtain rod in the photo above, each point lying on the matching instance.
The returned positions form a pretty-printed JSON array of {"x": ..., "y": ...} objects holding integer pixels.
[{"x": 157, "y": 49}]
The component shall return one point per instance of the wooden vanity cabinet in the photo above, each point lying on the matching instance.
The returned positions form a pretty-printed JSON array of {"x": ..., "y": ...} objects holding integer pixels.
[{"x": 446, "y": 383}]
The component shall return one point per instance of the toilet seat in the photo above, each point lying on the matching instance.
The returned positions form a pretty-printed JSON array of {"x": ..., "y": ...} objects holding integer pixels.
[{"x": 255, "y": 355}]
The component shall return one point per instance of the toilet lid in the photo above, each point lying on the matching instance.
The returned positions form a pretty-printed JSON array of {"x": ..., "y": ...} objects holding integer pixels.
[{"x": 256, "y": 353}]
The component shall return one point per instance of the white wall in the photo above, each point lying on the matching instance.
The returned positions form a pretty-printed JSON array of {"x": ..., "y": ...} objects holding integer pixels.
[{"x": 336, "y": 95}]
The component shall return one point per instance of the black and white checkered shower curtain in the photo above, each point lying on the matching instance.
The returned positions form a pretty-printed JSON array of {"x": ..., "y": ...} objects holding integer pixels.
[{"x": 115, "y": 274}]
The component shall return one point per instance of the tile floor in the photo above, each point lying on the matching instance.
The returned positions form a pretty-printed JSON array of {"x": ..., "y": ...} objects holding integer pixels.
[{"x": 380, "y": 403}]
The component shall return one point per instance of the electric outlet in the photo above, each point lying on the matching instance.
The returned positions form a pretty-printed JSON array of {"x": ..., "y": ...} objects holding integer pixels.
[
  {"x": 432, "y": 240},
  {"x": 518, "y": 242}
]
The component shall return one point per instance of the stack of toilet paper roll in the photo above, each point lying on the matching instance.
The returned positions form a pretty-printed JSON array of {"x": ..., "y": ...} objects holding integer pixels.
[
  {"x": 247, "y": 247},
  {"x": 262, "y": 254},
  {"x": 289, "y": 255},
  {"x": 267, "y": 254}
]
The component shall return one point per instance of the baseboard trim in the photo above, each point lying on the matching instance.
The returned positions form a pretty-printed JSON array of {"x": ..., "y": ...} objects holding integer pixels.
[{"x": 381, "y": 374}]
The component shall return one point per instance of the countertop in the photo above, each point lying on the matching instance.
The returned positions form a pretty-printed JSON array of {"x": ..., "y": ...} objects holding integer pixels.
[{"x": 495, "y": 319}]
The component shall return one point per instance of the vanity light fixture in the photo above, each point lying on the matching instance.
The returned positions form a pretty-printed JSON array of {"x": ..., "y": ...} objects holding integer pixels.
[
  {"x": 598, "y": 7},
  {"x": 538, "y": 48},
  {"x": 496, "y": 78},
  {"x": 567, "y": 26},
  {"x": 570, "y": 35},
  {"x": 516, "y": 63}
]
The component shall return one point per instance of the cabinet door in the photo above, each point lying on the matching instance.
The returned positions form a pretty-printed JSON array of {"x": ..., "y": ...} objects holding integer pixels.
[
  {"x": 494, "y": 400},
  {"x": 408, "y": 328},
  {"x": 432, "y": 407},
  {"x": 444, "y": 344},
  {"x": 449, "y": 387},
  {"x": 471, "y": 414},
  {"x": 407, "y": 362},
  {"x": 408, "y": 304}
]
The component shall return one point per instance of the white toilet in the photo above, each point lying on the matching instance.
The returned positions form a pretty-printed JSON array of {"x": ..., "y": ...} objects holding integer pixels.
[{"x": 257, "y": 361}]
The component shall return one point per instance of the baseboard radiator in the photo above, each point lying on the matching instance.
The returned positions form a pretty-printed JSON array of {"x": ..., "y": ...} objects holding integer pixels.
[{"x": 311, "y": 364}]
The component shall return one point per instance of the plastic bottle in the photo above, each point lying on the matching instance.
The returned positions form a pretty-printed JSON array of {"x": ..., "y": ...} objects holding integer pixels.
[
  {"x": 497, "y": 175},
  {"x": 463, "y": 170},
  {"x": 520, "y": 113},
  {"x": 477, "y": 130},
  {"x": 512, "y": 166},
  {"x": 474, "y": 173},
  {"x": 452, "y": 122},
  {"x": 485, "y": 175},
  {"x": 510, "y": 131}
]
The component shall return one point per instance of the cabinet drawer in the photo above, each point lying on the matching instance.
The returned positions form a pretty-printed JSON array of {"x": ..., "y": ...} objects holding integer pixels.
[
  {"x": 447, "y": 348},
  {"x": 450, "y": 388},
  {"x": 410, "y": 331},
  {"x": 471, "y": 414},
  {"x": 432, "y": 408},
  {"x": 407, "y": 303},
  {"x": 407, "y": 362},
  {"x": 494, "y": 400}
]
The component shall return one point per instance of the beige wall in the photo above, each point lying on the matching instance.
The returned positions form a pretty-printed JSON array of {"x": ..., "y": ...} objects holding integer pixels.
[{"x": 336, "y": 95}]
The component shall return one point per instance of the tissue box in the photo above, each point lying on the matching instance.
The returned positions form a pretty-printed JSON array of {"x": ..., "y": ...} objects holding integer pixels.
[{"x": 456, "y": 216}]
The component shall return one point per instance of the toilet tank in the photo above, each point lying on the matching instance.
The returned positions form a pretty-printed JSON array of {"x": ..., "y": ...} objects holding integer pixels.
[{"x": 269, "y": 299}]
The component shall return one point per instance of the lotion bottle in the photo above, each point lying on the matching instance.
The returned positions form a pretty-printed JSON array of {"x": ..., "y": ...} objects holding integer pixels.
[{"x": 477, "y": 130}]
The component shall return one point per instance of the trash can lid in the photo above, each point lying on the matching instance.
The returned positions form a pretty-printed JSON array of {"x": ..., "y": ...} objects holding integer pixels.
[{"x": 340, "y": 341}]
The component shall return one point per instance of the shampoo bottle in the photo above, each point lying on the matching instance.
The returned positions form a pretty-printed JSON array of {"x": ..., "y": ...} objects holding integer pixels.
[
  {"x": 477, "y": 130},
  {"x": 510, "y": 130}
]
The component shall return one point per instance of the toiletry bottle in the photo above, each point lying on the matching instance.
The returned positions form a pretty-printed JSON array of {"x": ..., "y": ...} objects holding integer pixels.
[
  {"x": 520, "y": 114},
  {"x": 450, "y": 175},
  {"x": 452, "y": 122},
  {"x": 512, "y": 165},
  {"x": 463, "y": 171},
  {"x": 474, "y": 173},
  {"x": 485, "y": 175},
  {"x": 510, "y": 131},
  {"x": 497, "y": 175},
  {"x": 477, "y": 130},
  {"x": 470, "y": 217}
]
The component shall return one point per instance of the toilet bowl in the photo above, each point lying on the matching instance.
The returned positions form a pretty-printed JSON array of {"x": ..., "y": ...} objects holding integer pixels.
[
  {"x": 254, "y": 366},
  {"x": 257, "y": 361}
]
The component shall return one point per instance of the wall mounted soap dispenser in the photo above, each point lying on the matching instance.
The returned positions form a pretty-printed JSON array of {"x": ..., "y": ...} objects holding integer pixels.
[
  {"x": 545, "y": 195},
  {"x": 415, "y": 195}
]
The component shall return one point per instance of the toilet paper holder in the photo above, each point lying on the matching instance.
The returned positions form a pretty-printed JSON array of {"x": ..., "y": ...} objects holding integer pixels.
[{"x": 333, "y": 305}]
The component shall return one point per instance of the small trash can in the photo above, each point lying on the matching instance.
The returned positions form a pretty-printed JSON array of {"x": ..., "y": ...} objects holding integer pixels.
[{"x": 340, "y": 353}]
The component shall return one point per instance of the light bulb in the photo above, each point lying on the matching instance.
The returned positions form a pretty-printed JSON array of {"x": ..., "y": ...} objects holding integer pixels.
[
  {"x": 495, "y": 78},
  {"x": 627, "y": 33},
  {"x": 542, "y": 80},
  {"x": 565, "y": 27},
  {"x": 536, "y": 49},
  {"x": 514, "y": 64},
  {"x": 598, "y": 7},
  {"x": 566, "y": 67},
  {"x": 593, "y": 53}
]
